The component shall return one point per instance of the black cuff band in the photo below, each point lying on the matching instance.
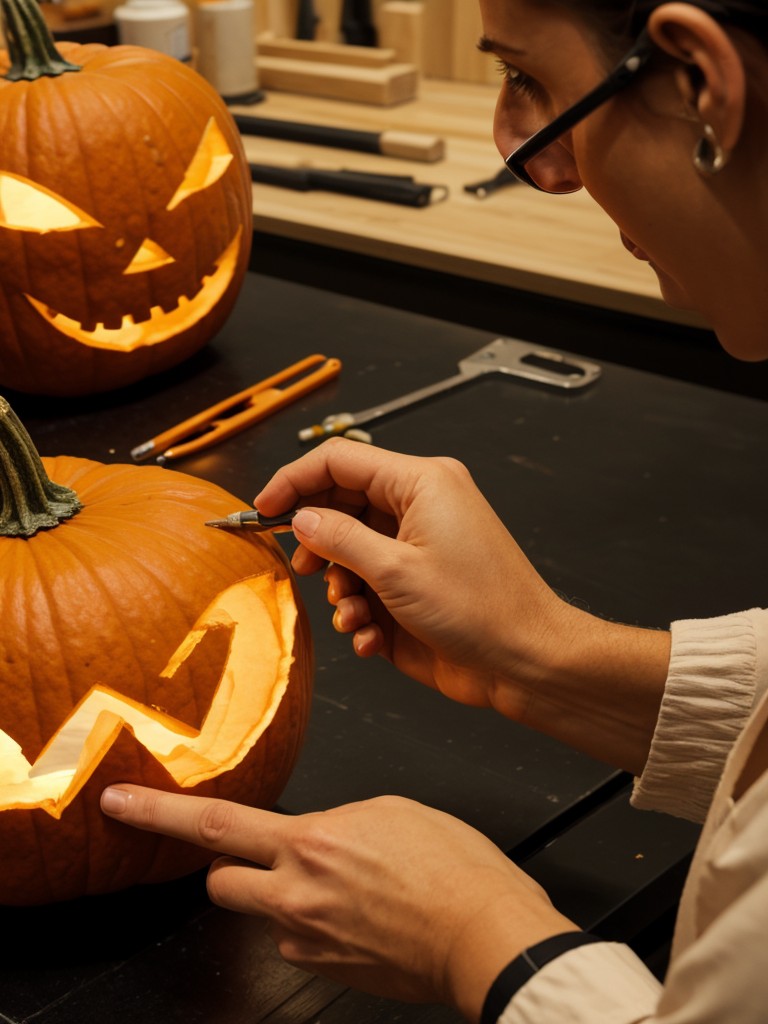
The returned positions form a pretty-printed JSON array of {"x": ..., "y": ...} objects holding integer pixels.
[{"x": 523, "y": 968}]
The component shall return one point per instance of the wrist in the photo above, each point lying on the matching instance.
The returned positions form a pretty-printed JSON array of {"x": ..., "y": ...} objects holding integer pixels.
[
  {"x": 519, "y": 971},
  {"x": 593, "y": 684},
  {"x": 494, "y": 939}
]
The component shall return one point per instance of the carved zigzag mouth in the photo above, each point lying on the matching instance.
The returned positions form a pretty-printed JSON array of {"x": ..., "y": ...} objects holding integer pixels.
[
  {"x": 260, "y": 615},
  {"x": 160, "y": 325}
]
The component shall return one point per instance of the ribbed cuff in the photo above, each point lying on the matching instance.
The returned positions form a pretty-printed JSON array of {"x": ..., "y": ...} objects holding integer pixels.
[{"x": 708, "y": 698}]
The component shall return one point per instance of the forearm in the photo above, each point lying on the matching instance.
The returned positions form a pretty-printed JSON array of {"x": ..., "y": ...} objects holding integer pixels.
[{"x": 594, "y": 685}]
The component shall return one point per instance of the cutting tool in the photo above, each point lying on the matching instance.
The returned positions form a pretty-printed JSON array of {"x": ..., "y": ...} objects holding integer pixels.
[
  {"x": 545, "y": 366},
  {"x": 253, "y": 520},
  {"x": 234, "y": 414}
]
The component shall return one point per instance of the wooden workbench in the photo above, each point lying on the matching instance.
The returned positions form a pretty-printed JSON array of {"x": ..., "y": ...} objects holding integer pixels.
[{"x": 562, "y": 246}]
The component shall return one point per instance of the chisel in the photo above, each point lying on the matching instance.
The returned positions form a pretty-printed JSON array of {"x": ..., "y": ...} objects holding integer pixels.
[{"x": 405, "y": 145}]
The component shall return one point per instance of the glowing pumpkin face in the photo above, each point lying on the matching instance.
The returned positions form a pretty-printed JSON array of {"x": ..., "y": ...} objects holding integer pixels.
[
  {"x": 137, "y": 644},
  {"x": 125, "y": 220}
]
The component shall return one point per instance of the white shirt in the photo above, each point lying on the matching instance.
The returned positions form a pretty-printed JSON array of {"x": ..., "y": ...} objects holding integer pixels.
[{"x": 713, "y": 723}]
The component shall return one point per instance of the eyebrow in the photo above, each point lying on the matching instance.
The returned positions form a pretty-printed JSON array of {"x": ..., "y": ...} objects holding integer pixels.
[{"x": 487, "y": 45}]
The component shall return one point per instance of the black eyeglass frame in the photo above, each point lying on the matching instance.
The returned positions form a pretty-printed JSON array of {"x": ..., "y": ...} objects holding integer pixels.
[{"x": 625, "y": 72}]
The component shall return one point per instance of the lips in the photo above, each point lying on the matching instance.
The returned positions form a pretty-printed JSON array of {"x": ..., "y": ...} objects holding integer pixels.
[{"x": 161, "y": 324}]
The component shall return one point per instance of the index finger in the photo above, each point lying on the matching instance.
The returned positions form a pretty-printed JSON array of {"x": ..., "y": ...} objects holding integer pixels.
[
  {"x": 337, "y": 472},
  {"x": 247, "y": 833}
]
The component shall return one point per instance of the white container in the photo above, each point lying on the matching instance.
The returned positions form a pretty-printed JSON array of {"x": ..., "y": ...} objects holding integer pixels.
[
  {"x": 163, "y": 25},
  {"x": 226, "y": 46}
]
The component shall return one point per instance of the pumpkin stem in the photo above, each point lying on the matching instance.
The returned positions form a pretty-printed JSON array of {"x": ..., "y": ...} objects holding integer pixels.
[
  {"x": 29, "y": 499},
  {"x": 30, "y": 43}
]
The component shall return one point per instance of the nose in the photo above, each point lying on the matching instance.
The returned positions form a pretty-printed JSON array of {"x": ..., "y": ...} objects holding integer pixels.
[{"x": 552, "y": 170}]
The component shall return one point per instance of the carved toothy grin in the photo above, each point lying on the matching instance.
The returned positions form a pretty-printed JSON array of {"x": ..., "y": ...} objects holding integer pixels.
[{"x": 161, "y": 325}]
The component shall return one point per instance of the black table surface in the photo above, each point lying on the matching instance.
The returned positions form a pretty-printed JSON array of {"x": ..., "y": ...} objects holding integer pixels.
[{"x": 642, "y": 498}]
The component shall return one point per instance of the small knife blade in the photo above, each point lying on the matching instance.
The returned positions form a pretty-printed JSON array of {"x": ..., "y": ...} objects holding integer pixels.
[{"x": 254, "y": 520}]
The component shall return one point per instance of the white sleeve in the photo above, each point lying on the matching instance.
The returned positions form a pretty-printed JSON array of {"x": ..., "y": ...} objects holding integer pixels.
[
  {"x": 718, "y": 671},
  {"x": 720, "y": 978},
  {"x": 602, "y": 983}
]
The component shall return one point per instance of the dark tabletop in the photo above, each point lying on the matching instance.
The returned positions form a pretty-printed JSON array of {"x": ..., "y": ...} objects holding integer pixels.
[{"x": 641, "y": 498}]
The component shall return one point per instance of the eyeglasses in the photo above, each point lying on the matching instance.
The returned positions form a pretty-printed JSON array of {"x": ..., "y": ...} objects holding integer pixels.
[{"x": 623, "y": 75}]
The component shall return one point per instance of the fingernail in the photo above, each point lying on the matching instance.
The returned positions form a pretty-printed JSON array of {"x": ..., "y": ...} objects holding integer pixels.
[
  {"x": 114, "y": 801},
  {"x": 306, "y": 522}
]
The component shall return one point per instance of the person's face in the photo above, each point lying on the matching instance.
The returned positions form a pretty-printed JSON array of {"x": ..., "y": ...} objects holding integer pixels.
[{"x": 633, "y": 154}]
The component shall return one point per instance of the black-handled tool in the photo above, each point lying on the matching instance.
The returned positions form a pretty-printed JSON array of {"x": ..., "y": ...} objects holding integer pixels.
[
  {"x": 306, "y": 20},
  {"x": 357, "y": 27},
  {"x": 403, "y": 145},
  {"x": 254, "y": 521},
  {"x": 388, "y": 188},
  {"x": 483, "y": 189}
]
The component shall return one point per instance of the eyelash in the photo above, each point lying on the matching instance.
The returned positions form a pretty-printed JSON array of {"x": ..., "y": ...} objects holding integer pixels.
[{"x": 515, "y": 80}]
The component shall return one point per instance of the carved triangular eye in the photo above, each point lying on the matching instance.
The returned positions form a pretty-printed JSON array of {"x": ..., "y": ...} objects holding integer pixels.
[
  {"x": 149, "y": 256},
  {"x": 25, "y": 206},
  {"x": 212, "y": 157}
]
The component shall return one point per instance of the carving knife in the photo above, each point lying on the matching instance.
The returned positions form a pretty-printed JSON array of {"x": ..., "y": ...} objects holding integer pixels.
[{"x": 405, "y": 145}]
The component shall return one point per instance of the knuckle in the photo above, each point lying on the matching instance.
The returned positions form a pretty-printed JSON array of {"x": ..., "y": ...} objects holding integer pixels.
[
  {"x": 215, "y": 821},
  {"x": 342, "y": 531},
  {"x": 453, "y": 467}
]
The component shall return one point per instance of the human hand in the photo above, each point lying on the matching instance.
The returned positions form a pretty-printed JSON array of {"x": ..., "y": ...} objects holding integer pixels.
[
  {"x": 386, "y": 895},
  {"x": 421, "y": 569}
]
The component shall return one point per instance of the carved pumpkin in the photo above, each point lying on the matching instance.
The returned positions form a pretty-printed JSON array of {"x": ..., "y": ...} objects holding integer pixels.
[
  {"x": 125, "y": 211},
  {"x": 136, "y": 644}
]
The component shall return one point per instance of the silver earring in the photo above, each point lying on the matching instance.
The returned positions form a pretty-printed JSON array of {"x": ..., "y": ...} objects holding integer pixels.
[{"x": 709, "y": 157}]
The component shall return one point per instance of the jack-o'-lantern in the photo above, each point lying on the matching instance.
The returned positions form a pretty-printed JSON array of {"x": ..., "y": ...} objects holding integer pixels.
[
  {"x": 136, "y": 644},
  {"x": 125, "y": 211}
]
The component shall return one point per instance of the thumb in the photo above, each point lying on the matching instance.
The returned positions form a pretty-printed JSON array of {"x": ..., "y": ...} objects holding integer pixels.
[{"x": 340, "y": 538}]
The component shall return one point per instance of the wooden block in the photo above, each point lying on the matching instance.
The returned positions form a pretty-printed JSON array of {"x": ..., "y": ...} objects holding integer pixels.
[
  {"x": 329, "y": 26},
  {"x": 277, "y": 16},
  {"x": 401, "y": 28},
  {"x": 438, "y": 39},
  {"x": 385, "y": 86},
  {"x": 467, "y": 63},
  {"x": 331, "y": 53}
]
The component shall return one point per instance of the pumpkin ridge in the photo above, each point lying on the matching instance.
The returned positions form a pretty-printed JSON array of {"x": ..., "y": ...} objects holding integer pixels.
[
  {"x": 75, "y": 136},
  {"x": 47, "y": 106},
  {"x": 57, "y": 619},
  {"x": 164, "y": 594},
  {"x": 115, "y": 115}
]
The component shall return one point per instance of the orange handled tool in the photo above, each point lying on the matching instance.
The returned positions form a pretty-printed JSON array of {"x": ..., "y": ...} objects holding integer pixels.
[{"x": 234, "y": 414}]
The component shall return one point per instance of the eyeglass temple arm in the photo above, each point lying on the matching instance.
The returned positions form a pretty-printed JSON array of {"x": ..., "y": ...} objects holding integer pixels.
[{"x": 635, "y": 60}]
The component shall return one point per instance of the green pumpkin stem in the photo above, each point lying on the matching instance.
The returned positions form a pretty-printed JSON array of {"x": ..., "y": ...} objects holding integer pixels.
[
  {"x": 29, "y": 499},
  {"x": 30, "y": 43}
]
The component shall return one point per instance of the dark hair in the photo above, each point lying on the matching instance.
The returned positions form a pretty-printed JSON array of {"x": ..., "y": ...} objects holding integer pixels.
[{"x": 616, "y": 21}]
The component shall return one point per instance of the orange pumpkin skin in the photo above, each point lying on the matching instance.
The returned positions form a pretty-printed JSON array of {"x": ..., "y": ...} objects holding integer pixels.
[
  {"x": 114, "y": 141},
  {"x": 106, "y": 597}
]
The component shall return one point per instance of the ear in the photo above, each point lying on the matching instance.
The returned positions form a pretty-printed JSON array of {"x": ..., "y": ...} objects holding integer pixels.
[{"x": 717, "y": 89}]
